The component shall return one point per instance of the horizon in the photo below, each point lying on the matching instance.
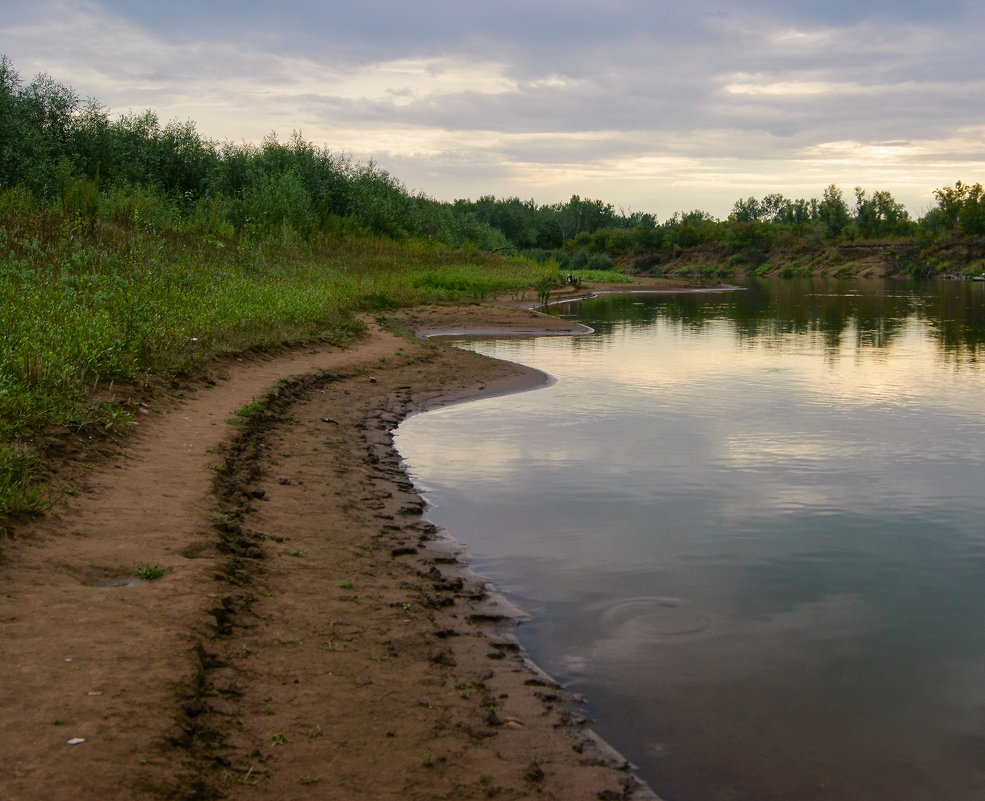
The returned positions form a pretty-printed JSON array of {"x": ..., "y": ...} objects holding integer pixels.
[{"x": 649, "y": 107}]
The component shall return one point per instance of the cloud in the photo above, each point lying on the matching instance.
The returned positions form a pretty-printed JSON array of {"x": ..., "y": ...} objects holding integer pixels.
[{"x": 629, "y": 101}]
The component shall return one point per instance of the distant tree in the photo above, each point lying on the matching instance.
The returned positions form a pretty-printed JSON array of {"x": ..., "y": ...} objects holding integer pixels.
[
  {"x": 640, "y": 219},
  {"x": 92, "y": 144},
  {"x": 879, "y": 215},
  {"x": 747, "y": 210},
  {"x": 832, "y": 211},
  {"x": 687, "y": 229},
  {"x": 971, "y": 220},
  {"x": 776, "y": 208},
  {"x": 960, "y": 210}
]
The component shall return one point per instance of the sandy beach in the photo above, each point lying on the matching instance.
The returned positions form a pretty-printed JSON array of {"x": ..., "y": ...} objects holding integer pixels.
[{"x": 312, "y": 634}]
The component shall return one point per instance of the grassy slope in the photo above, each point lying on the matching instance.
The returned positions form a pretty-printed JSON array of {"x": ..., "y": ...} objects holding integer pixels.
[{"x": 83, "y": 303}]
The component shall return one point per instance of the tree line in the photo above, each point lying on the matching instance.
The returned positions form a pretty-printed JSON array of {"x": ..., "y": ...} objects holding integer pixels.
[
  {"x": 757, "y": 227},
  {"x": 56, "y": 148}
]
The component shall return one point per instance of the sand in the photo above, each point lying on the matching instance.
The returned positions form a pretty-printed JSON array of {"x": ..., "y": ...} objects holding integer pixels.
[{"x": 313, "y": 636}]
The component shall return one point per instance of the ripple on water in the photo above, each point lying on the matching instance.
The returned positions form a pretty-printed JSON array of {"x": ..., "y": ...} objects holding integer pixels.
[{"x": 647, "y": 619}]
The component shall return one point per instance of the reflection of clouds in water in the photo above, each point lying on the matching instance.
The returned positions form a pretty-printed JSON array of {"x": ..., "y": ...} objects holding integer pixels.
[
  {"x": 574, "y": 664},
  {"x": 834, "y": 616},
  {"x": 787, "y": 467},
  {"x": 742, "y": 486},
  {"x": 482, "y": 440},
  {"x": 763, "y": 449},
  {"x": 656, "y": 632},
  {"x": 791, "y": 498},
  {"x": 484, "y": 458}
]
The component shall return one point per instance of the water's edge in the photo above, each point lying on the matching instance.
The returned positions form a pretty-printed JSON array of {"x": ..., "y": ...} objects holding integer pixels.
[{"x": 497, "y": 605}]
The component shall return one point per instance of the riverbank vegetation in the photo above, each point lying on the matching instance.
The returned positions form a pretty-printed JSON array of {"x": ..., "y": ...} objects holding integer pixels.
[
  {"x": 870, "y": 234},
  {"x": 131, "y": 248},
  {"x": 873, "y": 235}
]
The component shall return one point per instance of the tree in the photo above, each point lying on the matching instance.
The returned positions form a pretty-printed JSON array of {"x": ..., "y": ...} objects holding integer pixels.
[
  {"x": 879, "y": 215},
  {"x": 747, "y": 210},
  {"x": 832, "y": 211},
  {"x": 960, "y": 210},
  {"x": 35, "y": 130},
  {"x": 776, "y": 208}
]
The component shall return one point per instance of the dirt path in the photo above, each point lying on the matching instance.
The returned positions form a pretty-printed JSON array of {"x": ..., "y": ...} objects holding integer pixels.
[{"x": 314, "y": 636}]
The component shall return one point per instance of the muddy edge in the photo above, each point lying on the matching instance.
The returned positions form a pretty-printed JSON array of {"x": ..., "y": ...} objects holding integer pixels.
[{"x": 478, "y": 719}]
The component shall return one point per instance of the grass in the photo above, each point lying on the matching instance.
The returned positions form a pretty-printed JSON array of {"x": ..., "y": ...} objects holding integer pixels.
[
  {"x": 84, "y": 305},
  {"x": 459, "y": 282},
  {"x": 251, "y": 409},
  {"x": 151, "y": 572},
  {"x": 601, "y": 276},
  {"x": 21, "y": 492}
]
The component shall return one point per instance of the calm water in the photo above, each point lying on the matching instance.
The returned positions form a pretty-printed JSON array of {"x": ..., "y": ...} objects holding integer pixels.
[{"x": 748, "y": 529}]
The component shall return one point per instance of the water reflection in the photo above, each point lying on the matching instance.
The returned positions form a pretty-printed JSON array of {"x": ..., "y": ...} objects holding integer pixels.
[
  {"x": 830, "y": 313},
  {"x": 747, "y": 528}
]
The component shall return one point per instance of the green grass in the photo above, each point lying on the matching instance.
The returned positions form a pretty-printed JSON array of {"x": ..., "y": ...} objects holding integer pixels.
[
  {"x": 601, "y": 276},
  {"x": 21, "y": 492},
  {"x": 151, "y": 572},
  {"x": 463, "y": 281},
  {"x": 84, "y": 305},
  {"x": 251, "y": 409}
]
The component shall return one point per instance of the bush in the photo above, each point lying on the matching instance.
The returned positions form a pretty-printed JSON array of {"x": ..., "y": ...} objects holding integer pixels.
[
  {"x": 278, "y": 204},
  {"x": 599, "y": 261}
]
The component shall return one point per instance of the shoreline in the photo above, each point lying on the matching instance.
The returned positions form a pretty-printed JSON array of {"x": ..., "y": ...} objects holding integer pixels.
[
  {"x": 311, "y": 636},
  {"x": 496, "y": 617}
]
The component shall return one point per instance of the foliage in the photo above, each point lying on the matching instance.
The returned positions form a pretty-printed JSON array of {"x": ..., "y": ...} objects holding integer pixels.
[
  {"x": 960, "y": 210},
  {"x": 86, "y": 305},
  {"x": 529, "y": 226},
  {"x": 134, "y": 169},
  {"x": 879, "y": 215},
  {"x": 20, "y": 492},
  {"x": 600, "y": 276},
  {"x": 757, "y": 228},
  {"x": 470, "y": 283}
]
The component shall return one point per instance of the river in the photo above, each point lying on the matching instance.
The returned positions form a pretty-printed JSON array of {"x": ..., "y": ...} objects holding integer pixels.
[{"x": 747, "y": 527}]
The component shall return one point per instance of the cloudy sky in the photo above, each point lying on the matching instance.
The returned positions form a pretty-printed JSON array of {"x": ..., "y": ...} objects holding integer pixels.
[{"x": 653, "y": 106}]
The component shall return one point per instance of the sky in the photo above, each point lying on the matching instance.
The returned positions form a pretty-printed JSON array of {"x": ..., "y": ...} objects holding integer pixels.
[{"x": 651, "y": 106}]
